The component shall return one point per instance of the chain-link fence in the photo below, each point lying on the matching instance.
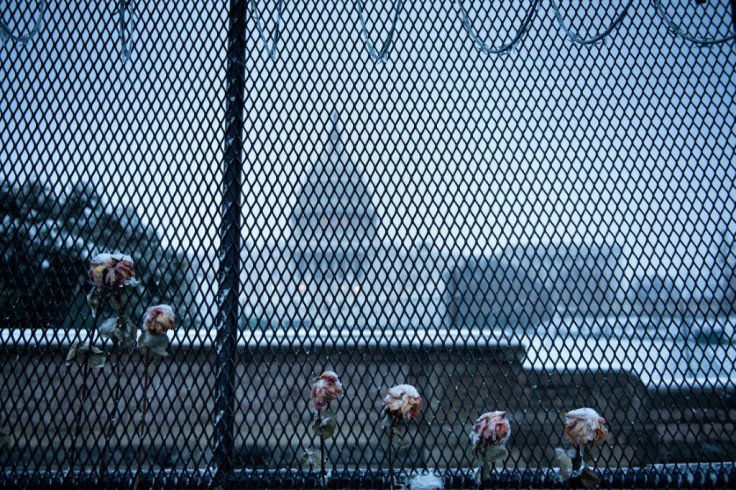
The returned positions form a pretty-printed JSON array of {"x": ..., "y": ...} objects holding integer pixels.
[{"x": 520, "y": 208}]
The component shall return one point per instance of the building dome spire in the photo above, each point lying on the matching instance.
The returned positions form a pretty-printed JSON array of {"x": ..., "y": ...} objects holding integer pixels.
[{"x": 334, "y": 215}]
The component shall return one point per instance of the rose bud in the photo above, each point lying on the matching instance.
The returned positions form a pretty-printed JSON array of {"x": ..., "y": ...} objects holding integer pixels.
[
  {"x": 159, "y": 319},
  {"x": 111, "y": 270},
  {"x": 491, "y": 429},
  {"x": 403, "y": 402},
  {"x": 325, "y": 389},
  {"x": 584, "y": 427}
]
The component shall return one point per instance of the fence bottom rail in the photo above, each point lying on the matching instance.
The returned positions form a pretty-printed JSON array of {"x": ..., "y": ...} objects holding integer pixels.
[{"x": 701, "y": 475}]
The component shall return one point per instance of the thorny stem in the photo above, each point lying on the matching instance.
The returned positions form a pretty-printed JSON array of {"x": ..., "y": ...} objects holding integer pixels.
[
  {"x": 83, "y": 393},
  {"x": 142, "y": 427},
  {"x": 322, "y": 471}
]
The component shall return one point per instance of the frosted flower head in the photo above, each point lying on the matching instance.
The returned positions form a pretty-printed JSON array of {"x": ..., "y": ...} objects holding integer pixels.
[
  {"x": 491, "y": 429},
  {"x": 111, "y": 270},
  {"x": 325, "y": 389},
  {"x": 584, "y": 427},
  {"x": 402, "y": 402},
  {"x": 159, "y": 319}
]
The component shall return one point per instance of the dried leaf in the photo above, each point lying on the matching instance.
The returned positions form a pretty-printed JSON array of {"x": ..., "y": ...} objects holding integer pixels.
[
  {"x": 588, "y": 478},
  {"x": 326, "y": 424},
  {"x": 157, "y": 344},
  {"x": 494, "y": 454},
  {"x": 403, "y": 442},
  {"x": 564, "y": 462},
  {"x": 310, "y": 458},
  {"x": 4, "y": 437},
  {"x": 93, "y": 300},
  {"x": 71, "y": 356},
  {"x": 129, "y": 333},
  {"x": 97, "y": 359},
  {"x": 109, "y": 329}
]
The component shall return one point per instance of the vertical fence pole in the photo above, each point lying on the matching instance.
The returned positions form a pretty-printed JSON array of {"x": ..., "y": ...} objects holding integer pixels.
[{"x": 229, "y": 254}]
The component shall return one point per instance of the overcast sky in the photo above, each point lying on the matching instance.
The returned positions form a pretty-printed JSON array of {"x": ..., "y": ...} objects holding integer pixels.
[{"x": 629, "y": 141}]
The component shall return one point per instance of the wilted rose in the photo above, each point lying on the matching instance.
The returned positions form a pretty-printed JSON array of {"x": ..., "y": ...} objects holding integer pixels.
[
  {"x": 403, "y": 402},
  {"x": 584, "y": 427},
  {"x": 325, "y": 389},
  {"x": 491, "y": 429},
  {"x": 159, "y": 319},
  {"x": 111, "y": 270}
]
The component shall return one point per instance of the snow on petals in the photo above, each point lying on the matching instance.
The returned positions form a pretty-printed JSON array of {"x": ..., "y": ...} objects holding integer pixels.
[
  {"x": 491, "y": 429},
  {"x": 403, "y": 402},
  {"x": 325, "y": 389},
  {"x": 159, "y": 319},
  {"x": 584, "y": 427}
]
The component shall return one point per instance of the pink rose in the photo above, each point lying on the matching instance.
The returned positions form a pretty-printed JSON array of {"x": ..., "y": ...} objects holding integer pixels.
[
  {"x": 584, "y": 427},
  {"x": 403, "y": 402},
  {"x": 159, "y": 319},
  {"x": 325, "y": 389},
  {"x": 111, "y": 270},
  {"x": 491, "y": 429}
]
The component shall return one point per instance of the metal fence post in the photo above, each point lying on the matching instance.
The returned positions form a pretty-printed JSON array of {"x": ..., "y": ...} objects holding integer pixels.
[{"x": 229, "y": 253}]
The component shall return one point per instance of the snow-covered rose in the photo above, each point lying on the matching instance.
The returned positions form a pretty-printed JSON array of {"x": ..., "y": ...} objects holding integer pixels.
[
  {"x": 491, "y": 429},
  {"x": 584, "y": 427},
  {"x": 403, "y": 402},
  {"x": 111, "y": 270},
  {"x": 159, "y": 319},
  {"x": 325, "y": 389}
]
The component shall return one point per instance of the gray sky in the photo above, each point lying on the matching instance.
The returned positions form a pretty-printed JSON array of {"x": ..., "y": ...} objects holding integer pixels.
[{"x": 628, "y": 141}]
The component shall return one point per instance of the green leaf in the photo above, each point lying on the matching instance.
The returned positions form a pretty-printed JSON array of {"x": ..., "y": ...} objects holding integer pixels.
[
  {"x": 494, "y": 454},
  {"x": 564, "y": 462},
  {"x": 588, "y": 478},
  {"x": 310, "y": 458}
]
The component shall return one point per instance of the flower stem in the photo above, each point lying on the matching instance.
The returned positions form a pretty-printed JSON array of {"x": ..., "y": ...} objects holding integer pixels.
[
  {"x": 114, "y": 361},
  {"x": 322, "y": 471},
  {"x": 142, "y": 427},
  {"x": 83, "y": 394},
  {"x": 485, "y": 469},
  {"x": 389, "y": 455}
]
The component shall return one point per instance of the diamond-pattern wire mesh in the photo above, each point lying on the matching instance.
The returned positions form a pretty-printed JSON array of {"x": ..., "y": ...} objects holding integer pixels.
[{"x": 533, "y": 232}]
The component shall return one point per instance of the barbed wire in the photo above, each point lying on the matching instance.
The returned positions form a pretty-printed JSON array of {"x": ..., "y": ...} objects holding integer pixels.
[
  {"x": 122, "y": 8},
  {"x": 383, "y": 53},
  {"x": 675, "y": 29},
  {"x": 6, "y": 33},
  {"x": 598, "y": 37},
  {"x": 270, "y": 50},
  {"x": 525, "y": 23},
  {"x": 126, "y": 14}
]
